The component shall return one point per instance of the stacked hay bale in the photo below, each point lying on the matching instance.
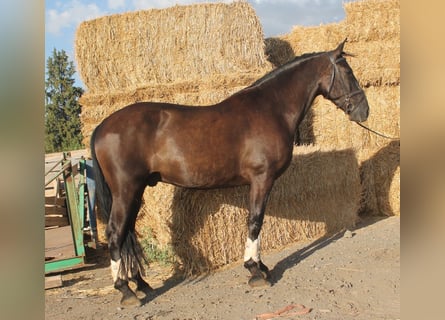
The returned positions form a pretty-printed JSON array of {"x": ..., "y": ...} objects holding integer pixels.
[
  {"x": 198, "y": 55},
  {"x": 373, "y": 31}
]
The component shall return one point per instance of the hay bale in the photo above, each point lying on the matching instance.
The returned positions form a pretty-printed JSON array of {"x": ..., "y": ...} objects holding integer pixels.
[
  {"x": 326, "y": 125},
  {"x": 372, "y": 19},
  {"x": 373, "y": 30},
  {"x": 318, "y": 194},
  {"x": 380, "y": 176},
  {"x": 161, "y": 46}
]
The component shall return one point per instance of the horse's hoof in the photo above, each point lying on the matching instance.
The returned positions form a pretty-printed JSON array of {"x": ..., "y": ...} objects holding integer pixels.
[
  {"x": 144, "y": 292},
  {"x": 131, "y": 301},
  {"x": 259, "y": 281}
]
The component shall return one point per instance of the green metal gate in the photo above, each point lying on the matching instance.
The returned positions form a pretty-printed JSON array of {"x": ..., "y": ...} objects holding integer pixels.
[{"x": 73, "y": 178}]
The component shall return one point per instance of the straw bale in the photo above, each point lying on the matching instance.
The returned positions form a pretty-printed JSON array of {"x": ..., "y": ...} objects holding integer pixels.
[
  {"x": 394, "y": 194},
  {"x": 167, "y": 45},
  {"x": 372, "y": 19},
  {"x": 380, "y": 176},
  {"x": 329, "y": 126},
  {"x": 319, "y": 194},
  {"x": 315, "y": 38},
  {"x": 376, "y": 63},
  {"x": 365, "y": 21},
  {"x": 373, "y": 31}
]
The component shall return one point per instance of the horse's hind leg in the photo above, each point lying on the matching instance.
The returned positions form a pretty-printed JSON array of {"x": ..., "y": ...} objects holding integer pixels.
[
  {"x": 143, "y": 288},
  {"x": 124, "y": 209}
]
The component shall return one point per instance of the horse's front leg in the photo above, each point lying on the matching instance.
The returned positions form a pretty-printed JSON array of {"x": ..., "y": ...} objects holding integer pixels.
[{"x": 259, "y": 193}]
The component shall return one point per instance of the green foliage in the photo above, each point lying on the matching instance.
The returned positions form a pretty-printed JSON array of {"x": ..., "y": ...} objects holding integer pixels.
[
  {"x": 62, "y": 110},
  {"x": 153, "y": 252}
]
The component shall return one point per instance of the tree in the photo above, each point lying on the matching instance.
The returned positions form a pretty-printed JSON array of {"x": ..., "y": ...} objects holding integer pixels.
[{"x": 62, "y": 110}]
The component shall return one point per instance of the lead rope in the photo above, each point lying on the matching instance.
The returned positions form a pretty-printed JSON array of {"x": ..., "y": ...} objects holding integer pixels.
[
  {"x": 284, "y": 312},
  {"x": 348, "y": 96},
  {"x": 377, "y": 133}
]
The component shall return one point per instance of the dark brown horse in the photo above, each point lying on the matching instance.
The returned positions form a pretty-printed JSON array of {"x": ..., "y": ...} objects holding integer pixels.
[{"x": 247, "y": 139}]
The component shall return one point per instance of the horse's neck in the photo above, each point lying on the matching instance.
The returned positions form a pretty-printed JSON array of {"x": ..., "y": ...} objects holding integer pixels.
[{"x": 297, "y": 94}]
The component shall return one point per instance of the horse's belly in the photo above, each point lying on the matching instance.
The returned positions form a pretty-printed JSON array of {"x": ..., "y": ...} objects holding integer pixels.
[{"x": 199, "y": 174}]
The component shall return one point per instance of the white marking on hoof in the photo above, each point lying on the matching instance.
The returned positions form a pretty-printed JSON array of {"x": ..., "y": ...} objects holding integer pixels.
[{"x": 253, "y": 250}]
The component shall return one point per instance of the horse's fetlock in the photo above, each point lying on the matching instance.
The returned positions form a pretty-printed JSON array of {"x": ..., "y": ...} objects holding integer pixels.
[
  {"x": 251, "y": 264},
  {"x": 120, "y": 283}
]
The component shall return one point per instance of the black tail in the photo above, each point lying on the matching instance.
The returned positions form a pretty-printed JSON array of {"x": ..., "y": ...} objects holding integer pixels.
[
  {"x": 103, "y": 194},
  {"x": 132, "y": 253}
]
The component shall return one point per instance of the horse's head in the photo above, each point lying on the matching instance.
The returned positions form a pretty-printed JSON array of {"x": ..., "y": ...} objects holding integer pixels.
[{"x": 343, "y": 89}]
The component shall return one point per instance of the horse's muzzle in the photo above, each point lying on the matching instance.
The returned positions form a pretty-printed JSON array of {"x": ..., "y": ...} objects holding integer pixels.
[{"x": 360, "y": 111}]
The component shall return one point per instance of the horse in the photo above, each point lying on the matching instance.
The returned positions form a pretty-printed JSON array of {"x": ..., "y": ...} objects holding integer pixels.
[{"x": 246, "y": 139}]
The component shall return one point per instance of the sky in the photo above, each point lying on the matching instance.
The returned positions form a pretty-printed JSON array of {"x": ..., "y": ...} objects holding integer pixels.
[{"x": 277, "y": 17}]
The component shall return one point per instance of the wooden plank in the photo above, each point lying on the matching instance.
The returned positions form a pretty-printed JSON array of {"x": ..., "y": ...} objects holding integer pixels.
[
  {"x": 51, "y": 189},
  {"x": 50, "y": 200},
  {"x": 58, "y": 221},
  {"x": 54, "y": 200},
  {"x": 53, "y": 281},
  {"x": 50, "y": 210},
  {"x": 59, "y": 243}
]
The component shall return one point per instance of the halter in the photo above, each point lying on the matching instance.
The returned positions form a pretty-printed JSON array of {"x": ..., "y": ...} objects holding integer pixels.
[{"x": 346, "y": 106}]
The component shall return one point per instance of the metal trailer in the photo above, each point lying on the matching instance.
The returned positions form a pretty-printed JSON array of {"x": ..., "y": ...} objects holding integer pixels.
[{"x": 68, "y": 229}]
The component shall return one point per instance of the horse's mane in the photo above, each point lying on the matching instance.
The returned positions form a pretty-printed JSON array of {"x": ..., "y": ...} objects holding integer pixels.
[{"x": 288, "y": 65}]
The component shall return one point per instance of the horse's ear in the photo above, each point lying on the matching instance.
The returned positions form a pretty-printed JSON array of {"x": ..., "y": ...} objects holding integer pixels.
[{"x": 339, "y": 50}]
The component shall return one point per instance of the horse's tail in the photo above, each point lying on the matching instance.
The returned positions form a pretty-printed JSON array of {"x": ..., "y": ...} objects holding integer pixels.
[
  {"x": 132, "y": 254},
  {"x": 103, "y": 194}
]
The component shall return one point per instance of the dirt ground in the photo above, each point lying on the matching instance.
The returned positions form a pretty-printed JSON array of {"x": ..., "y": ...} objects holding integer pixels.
[{"x": 351, "y": 275}]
